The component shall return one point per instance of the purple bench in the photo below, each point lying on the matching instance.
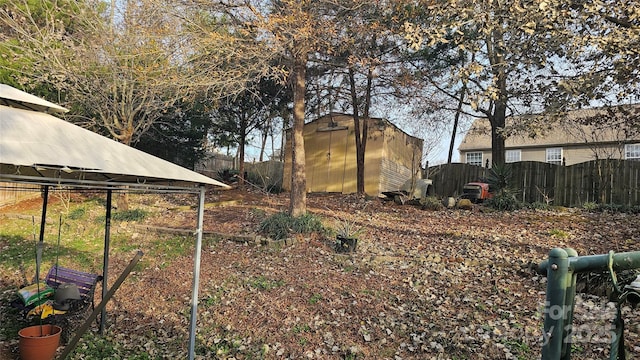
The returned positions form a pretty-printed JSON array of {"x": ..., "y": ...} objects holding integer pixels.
[{"x": 86, "y": 282}]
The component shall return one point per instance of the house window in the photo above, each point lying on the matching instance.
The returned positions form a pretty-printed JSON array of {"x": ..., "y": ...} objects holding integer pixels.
[
  {"x": 632, "y": 151},
  {"x": 474, "y": 158},
  {"x": 554, "y": 156},
  {"x": 512, "y": 156}
]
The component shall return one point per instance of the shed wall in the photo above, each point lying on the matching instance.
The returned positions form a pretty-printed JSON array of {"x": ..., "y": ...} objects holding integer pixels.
[{"x": 330, "y": 155}]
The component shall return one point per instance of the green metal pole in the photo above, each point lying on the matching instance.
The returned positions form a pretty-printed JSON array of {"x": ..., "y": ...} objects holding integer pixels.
[
  {"x": 579, "y": 264},
  {"x": 561, "y": 269},
  {"x": 569, "y": 303},
  {"x": 554, "y": 317}
]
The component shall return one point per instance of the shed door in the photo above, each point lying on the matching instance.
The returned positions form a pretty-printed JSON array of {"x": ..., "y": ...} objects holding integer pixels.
[
  {"x": 337, "y": 161},
  {"x": 327, "y": 153}
]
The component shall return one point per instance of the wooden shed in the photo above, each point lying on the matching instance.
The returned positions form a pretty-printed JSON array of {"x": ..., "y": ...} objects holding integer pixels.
[{"x": 391, "y": 156}]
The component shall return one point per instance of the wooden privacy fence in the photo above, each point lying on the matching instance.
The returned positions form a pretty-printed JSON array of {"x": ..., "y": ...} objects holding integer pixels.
[
  {"x": 12, "y": 193},
  {"x": 614, "y": 182},
  {"x": 214, "y": 163}
]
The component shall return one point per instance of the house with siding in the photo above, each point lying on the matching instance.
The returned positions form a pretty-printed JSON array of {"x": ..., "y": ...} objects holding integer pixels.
[
  {"x": 391, "y": 156},
  {"x": 577, "y": 137}
]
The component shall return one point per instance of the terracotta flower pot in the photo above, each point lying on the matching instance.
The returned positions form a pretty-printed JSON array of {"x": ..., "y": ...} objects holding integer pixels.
[{"x": 39, "y": 342}]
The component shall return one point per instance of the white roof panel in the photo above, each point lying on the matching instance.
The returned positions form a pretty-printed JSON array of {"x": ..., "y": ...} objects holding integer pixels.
[
  {"x": 11, "y": 96},
  {"x": 38, "y": 145}
]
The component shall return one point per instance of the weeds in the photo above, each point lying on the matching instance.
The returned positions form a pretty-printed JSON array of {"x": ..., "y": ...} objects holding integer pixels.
[
  {"x": 431, "y": 203},
  {"x": 279, "y": 226},
  {"x": 504, "y": 201},
  {"x": 264, "y": 283},
  {"x": 315, "y": 298},
  {"x": 559, "y": 233}
]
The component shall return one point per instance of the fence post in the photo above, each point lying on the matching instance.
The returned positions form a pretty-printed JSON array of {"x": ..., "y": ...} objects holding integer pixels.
[
  {"x": 569, "y": 303},
  {"x": 557, "y": 281}
]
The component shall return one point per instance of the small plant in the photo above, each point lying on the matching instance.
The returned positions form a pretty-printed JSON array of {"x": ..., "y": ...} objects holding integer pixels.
[
  {"x": 264, "y": 283},
  {"x": 280, "y": 225},
  {"x": 504, "y": 201},
  {"x": 537, "y": 205},
  {"x": 348, "y": 230},
  {"x": 545, "y": 195},
  {"x": 431, "y": 203},
  {"x": 77, "y": 213},
  {"x": 315, "y": 298},
  {"x": 559, "y": 233},
  {"x": 347, "y": 234},
  {"x": 590, "y": 206},
  {"x": 464, "y": 204},
  {"x": 500, "y": 180},
  {"x": 301, "y": 328},
  {"x": 129, "y": 215},
  {"x": 306, "y": 224}
]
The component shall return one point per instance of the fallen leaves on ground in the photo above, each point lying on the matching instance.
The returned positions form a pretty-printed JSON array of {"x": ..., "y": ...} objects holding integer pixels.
[{"x": 450, "y": 284}]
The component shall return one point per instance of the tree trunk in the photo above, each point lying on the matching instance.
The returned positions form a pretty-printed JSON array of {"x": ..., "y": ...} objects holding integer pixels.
[
  {"x": 298, "y": 198},
  {"x": 359, "y": 133},
  {"x": 456, "y": 120},
  {"x": 243, "y": 139},
  {"x": 499, "y": 114},
  {"x": 263, "y": 143},
  {"x": 497, "y": 137}
]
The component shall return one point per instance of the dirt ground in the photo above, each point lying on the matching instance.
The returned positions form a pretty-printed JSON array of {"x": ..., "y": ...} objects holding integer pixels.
[{"x": 449, "y": 284}]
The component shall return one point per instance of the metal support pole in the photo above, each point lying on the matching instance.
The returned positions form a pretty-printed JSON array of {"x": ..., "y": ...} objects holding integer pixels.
[
  {"x": 43, "y": 219},
  {"x": 196, "y": 277},
  {"x": 569, "y": 303},
  {"x": 557, "y": 275},
  {"x": 105, "y": 264}
]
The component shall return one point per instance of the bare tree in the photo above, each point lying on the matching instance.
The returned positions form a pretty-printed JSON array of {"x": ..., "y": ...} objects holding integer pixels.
[
  {"x": 508, "y": 55},
  {"x": 290, "y": 30}
]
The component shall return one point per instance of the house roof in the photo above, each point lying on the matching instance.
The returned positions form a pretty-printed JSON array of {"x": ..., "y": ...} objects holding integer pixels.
[
  {"x": 36, "y": 147},
  {"x": 567, "y": 130}
]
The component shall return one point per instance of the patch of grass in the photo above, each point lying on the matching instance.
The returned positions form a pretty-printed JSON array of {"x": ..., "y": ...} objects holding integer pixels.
[
  {"x": 77, "y": 213},
  {"x": 279, "y": 226},
  {"x": 172, "y": 247},
  {"x": 519, "y": 348},
  {"x": 263, "y": 283},
  {"x": 537, "y": 205},
  {"x": 301, "y": 328},
  {"x": 315, "y": 298},
  {"x": 211, "y": 300},
  {"x": 559, "y": 233},
  {"x": 258, "y": 213},
  {"x": 15, "y": 249},
  {"x": 96, "y": 347},
  {"x": 129, "y": 215}
]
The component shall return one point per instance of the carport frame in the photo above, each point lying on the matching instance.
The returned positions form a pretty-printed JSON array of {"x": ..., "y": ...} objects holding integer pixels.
[
  {"x": 40, "y": 149},
  {"x": 109, "y": 188}
]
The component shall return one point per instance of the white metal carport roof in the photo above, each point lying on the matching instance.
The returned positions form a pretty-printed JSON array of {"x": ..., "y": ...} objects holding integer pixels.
[{"x": 41, "y": 149}]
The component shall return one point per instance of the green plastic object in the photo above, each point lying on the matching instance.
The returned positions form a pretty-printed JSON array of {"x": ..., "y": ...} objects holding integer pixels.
[{"x": 561, "y": 269}]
